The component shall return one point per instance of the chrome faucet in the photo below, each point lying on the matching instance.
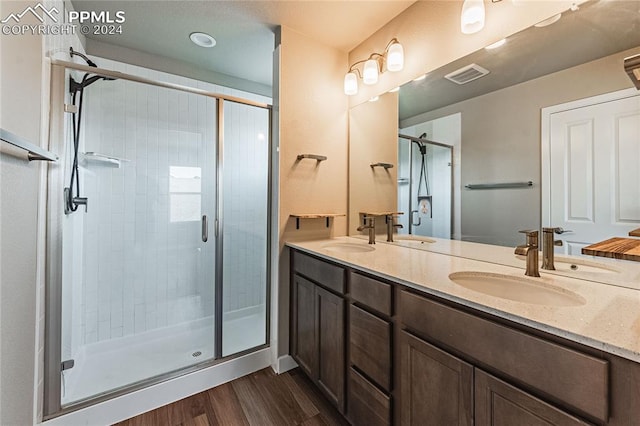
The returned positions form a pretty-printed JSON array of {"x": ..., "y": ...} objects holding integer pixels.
[
  {"x": 548, "y": 243},
  {"x": 530, "y": 249},
  {"x": 371, "y": 227},
  {"x": 390, "y": 226}
]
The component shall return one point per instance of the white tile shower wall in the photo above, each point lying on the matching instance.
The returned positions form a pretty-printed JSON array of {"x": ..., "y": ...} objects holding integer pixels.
[{"x": 143, "y": 271}]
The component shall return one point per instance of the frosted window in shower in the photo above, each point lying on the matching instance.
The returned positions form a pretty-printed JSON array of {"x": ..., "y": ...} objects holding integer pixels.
[{"x": 185, "y": 187}]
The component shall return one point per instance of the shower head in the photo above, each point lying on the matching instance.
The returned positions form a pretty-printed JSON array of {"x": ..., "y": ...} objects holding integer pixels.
[
  {"x": 423, "y": 136},
  {"x": 74, "y": 86},
  {"x": 632, "y": 67}
]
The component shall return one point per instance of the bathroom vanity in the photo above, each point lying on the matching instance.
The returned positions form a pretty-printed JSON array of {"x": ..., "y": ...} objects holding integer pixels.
[{"x": 392, "y": 335}]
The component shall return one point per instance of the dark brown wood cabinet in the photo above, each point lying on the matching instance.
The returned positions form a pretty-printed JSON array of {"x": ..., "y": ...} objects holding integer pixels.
[
  {"x": 399, "y": 356},
  {"x": 369, "y": 400},
  {"x": 331, "y": 337},
  {"x": 318, "y": 325},
  {"x": 368, "y": 405},
  {"x": 498, "y": 403},
  {"x": 304, "y": 338},
  {"x": 436, "y": 387}
]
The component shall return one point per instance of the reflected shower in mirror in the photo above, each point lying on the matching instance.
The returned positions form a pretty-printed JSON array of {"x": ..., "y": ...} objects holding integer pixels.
[
  {"x": 425, "y": 175},
  {"x": 496, "y": 118}
]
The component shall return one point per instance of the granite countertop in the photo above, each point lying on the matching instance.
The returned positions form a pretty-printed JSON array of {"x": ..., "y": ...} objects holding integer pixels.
[{"x": 608, "y": 320}]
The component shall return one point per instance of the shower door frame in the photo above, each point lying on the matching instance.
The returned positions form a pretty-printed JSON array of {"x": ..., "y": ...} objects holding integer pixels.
[
  {"x": 52, "y": 402},
  {"x": 412, "y": 139}
]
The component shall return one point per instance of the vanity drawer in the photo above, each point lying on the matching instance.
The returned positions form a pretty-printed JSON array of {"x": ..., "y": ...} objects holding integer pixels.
[
  {"x": 370, "y": 346},
  {"x": 565, "y": 375},
  {"x": 366, "y": 404},
  {"x": 371, "y": 292},
  {"x": 326, "y": 274}
]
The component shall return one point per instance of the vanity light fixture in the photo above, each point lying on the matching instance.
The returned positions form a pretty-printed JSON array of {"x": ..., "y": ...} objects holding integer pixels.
[
  {"x": 472, "y": 16},
  {"x": 392, "y": 59},
  {"x": 202, "y": 39}
]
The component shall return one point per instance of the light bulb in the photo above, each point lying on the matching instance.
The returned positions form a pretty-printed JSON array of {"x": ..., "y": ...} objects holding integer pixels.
[
  {"x": 350, "y": 84},
  {"x": 395, "y": 57},
  {"x": 370, "y": 72},
  {"x": 472, "y": 16}
]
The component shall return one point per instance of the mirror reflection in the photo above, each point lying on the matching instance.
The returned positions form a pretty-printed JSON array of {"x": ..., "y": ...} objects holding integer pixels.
[{"x": 543, "y": 131}]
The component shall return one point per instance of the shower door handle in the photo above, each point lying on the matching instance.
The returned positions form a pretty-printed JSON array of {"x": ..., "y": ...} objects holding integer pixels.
[
  {"x": 205, "y": 228},
  {"x": 413, "y": 222}
]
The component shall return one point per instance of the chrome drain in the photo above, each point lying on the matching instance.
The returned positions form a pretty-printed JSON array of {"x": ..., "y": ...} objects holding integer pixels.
[{"x": 196, "y": 354}]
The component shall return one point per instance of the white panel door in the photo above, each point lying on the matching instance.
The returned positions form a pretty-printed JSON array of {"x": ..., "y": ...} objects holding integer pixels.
[{"x": 594, "y": 158}]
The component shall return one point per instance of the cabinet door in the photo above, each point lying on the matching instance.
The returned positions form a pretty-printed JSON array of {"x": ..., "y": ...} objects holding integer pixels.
[
  {"x": 331, "y": 335},
  {"x": 305, "y": 338},
  {"x": 436, "y": 388},
  {"x": 500, "y": 404}
]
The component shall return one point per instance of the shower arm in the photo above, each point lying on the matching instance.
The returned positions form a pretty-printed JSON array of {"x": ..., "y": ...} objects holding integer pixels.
[{"x": 89, "y": 62}]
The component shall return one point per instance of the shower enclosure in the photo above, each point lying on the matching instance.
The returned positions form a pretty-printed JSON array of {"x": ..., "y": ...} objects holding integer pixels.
[
  {"x": 425, "y": 188},
  {"x": 157, "y": 247}
]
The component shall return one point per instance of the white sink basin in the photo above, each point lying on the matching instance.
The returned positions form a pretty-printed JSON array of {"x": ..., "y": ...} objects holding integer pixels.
[
  {"x": 579, "y": 265},
  {"x": 348, "y": 247},
  {"x": 519, "y": 289}
]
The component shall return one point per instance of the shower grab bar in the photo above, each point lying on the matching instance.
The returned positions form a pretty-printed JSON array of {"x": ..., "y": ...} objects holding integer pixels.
[
  {"x": 35, "y": 153},
  {"x": 499, "y": 185}
]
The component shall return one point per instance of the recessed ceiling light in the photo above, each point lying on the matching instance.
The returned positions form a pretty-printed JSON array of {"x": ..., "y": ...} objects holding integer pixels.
[
  {"x": 548, "y": 21},
  {"x": 395, "y": 89},
  {"x": 202, "y": 39},
  {"x": 496, "y": 44},
  {"x": 374, "y": 99},
  {"x": 422, "y": 77}
]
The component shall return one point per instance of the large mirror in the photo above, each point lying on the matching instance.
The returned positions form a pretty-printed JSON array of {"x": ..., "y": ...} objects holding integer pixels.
[{"x": 486, "y": 147}]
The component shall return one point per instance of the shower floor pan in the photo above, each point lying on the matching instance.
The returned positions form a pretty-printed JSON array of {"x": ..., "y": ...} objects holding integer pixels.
[{"x": 108, "y": 365}]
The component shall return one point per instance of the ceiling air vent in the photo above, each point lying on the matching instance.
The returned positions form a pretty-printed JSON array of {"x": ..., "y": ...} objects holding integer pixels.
[{"x": 467, "y": 74}]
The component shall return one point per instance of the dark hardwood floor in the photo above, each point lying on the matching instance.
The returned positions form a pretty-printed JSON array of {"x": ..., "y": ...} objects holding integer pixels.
[{"x": 261, "y": 398}]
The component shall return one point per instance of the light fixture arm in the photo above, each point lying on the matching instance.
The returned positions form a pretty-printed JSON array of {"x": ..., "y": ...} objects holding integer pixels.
[{"x": 383, "y": 63}]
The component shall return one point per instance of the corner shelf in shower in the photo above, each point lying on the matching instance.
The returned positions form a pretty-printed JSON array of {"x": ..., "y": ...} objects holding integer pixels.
[
  {"x": 326, "y": 216},
  {"x": 102, "y": 159}
]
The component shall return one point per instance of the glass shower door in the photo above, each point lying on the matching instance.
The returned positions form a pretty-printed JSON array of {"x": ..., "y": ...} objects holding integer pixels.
[
  {"x": 139, "y": 264},
  {"x": 244, "y": 236}
]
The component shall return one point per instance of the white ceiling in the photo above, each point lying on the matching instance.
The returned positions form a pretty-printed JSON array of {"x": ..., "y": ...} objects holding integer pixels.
[{"x": 244, "y": 30}]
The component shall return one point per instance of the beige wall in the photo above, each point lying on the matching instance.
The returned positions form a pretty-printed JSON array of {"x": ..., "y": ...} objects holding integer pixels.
[
  {"x": 501, "y": 142},
  {"x": 372, "y": 140},
  {"x": 21, "y": 59},
  {"x": 313, "y": 120},
  {"x": 430, "y": 34}
]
